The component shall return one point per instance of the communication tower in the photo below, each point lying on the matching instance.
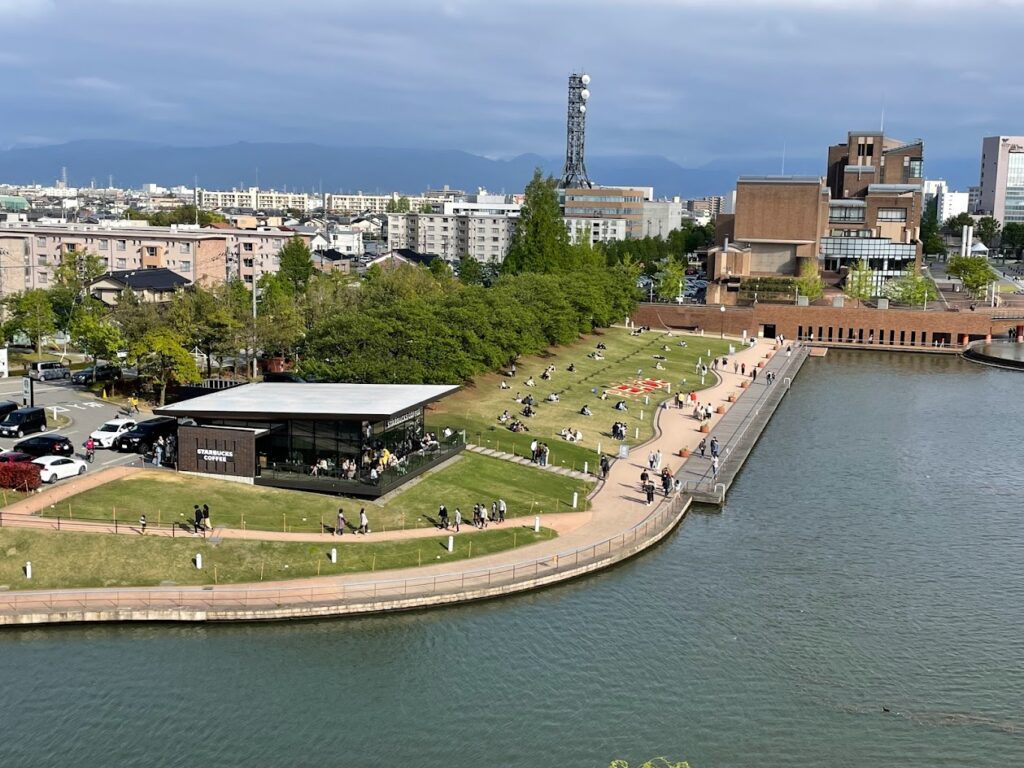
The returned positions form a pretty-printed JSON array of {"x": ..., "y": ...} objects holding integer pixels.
[{"x": 575, "y": 172}]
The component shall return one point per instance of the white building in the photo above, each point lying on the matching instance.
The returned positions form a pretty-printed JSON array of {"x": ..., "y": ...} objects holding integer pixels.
[
  {"x": 662, "y": 217},
  {"x": 478, "y": 225},
  {"x": 598, "y": 230},
  {"x": 949, "y": 204},
  {"x": 255, "y": 198}
]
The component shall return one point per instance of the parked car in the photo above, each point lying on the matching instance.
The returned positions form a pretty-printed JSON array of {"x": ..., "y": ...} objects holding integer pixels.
[
  {"x": 145, "y": 434},
  {"x": 105, "y": 372},
  {"x": 107, "y": 435},
  {"x": 23, "y": 421},
  {"x": 283, "y": 377},
  {"x": 6, "y": 406},
  {"x": 54, "y": 468},
  {"x": 50, "y": 369},
  {"x": 15, "y": 457},
  {"x": 46, "y": 445}
]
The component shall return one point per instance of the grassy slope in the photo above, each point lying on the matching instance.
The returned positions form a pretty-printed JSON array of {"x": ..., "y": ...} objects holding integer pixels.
[
  {"x": 472, "y": 478},
  {"x": 92, "y": 560},
  {"x": 477, "y": 407}
]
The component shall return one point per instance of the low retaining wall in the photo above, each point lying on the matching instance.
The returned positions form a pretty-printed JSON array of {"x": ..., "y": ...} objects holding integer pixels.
[{"x": 254, "y": 603}]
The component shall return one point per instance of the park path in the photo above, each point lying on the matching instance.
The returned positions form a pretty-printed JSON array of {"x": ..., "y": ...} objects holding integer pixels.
[{"x": 617, "y": 507}]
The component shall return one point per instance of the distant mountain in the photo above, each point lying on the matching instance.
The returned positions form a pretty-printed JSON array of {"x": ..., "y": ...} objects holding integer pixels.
[{"x": 310, "y": 167}]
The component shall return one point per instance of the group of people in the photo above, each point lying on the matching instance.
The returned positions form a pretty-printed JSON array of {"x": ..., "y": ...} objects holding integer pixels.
[
  {"x": 200, "y": 519},
  {"x": 342, "y": 524},
  {"x": 571, "y": 434},
  {"x": 648, "y": 488},
  {"x": 481, "y": 515},
  {"x": 714, "y": 447},
  {"x": 619, "y": 430},
  {"x": 703, "y": 413},
  {"x": 539, "y": 453}
]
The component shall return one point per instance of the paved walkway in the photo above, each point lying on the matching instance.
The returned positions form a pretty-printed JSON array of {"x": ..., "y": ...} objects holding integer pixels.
[{"x": 618, "y": 509}]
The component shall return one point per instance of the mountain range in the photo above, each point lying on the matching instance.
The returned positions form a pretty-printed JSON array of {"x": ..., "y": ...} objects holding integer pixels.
[{"x": 314, "y": 167}]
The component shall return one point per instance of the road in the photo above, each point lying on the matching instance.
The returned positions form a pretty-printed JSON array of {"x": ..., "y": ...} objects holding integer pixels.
[{"x": 85, "y": 409}]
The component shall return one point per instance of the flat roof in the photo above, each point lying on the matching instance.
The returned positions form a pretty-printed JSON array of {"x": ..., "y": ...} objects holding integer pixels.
[
  {"x": 282, "y": 400},
  {"x": 780, "y": 179}
]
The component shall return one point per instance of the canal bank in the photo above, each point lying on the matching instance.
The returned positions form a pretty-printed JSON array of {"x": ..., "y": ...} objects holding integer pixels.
[{"x": 622, "y": 523}]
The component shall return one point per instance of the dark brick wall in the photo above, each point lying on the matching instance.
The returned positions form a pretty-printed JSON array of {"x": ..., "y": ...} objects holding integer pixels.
[
  {"x": 789, "y": 320},
  {"x": 239, "y": 444}
]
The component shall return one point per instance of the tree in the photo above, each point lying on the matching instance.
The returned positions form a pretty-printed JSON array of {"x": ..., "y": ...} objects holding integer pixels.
[
  {"x": 1013, "y": 237},
  {"x": 296, "y": 264},
  {"x": 203, "y": 319},
  {"x": 910, "y": 290},
  {"x": 955, "y": 224},
  {"x": 96, "y": 336},
  {"x": 134, "y": 317},
  {"x": 974, "y": 271},
  {"x": 860, "y": 282},
  {"x": 809, "y": 283},
  {"x": 440, "y": 269},
  {"x": 540, "y": 242},
  {"x": 671, "y": 278},
  {"x": 72, "y": 278},
  {"x": 931, "y": 238},
  {"x": 401, "y": 205},
  {"x": 161, "y": 356},
  {"x": 470, "y": 272},
  {"x": 185, "y": 214},
  {"x": 426, "y": 208},
  {"x": 987, "y": 229},
  {"x": 32, "y": 314}
]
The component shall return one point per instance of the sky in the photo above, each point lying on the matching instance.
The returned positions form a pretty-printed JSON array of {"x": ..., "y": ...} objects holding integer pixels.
[{"x": 694, "y": 81}]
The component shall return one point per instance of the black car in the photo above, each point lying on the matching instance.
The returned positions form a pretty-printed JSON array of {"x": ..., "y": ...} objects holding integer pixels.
[
  {"x": 104, "y": 372},
  {"x": 46, "y": 445},
  {"x": 143, "y": 436},
  {"x": 6, "y": 406}
]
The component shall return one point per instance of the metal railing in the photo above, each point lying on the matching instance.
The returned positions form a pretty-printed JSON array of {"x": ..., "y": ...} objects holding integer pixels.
[{"x": 284, "y": 600}]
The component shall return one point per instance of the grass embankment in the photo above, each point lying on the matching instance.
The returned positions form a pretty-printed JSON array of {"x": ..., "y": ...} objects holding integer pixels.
[
  {"x": 89, "y": 560},
  {"x": 476, "y": 407},
  {"x": 165, "y": 498}
]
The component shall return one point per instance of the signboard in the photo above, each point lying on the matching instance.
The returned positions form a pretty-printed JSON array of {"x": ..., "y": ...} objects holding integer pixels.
[
  {"x": 26, "y": 390},
  {"x": 221, "y": 457},
  {"x": 394, "y": 421}
]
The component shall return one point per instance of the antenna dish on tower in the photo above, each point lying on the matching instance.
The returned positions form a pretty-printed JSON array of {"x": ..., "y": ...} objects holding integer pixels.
[{"x": 585, "y": 79}]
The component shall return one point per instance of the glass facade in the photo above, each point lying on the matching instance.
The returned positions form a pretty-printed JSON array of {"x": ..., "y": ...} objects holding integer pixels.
[
  {"x": 1014, "y": 204},
  {"x": 846, "y": 213}
]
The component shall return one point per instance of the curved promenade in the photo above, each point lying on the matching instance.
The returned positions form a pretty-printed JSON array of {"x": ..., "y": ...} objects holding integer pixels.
[{"x": 618, "y": 526}]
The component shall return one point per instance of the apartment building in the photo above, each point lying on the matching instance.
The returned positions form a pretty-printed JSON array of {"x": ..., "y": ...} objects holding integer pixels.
[
  {"x": 478, "y": 225},
  {"x": 626, "y": 203},
  {"x": 595, "y": 230},
  {"x": 29, "y": 252},
  {"x": 256, "y": 199},
  {"x": 949, "y": 204},
  {"x": 1001, "y": 188}
]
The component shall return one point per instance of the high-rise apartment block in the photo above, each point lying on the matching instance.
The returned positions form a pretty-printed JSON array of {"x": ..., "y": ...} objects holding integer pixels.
[
  {"x": 1001, "y": 189},
  {"x": 479, "y": 226}
]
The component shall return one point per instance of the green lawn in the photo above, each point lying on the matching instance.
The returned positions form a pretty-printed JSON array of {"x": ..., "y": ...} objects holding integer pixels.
[
  {"x": 61, "y": 560},
  {"x": 476, "y": 408},
  {"x": 165, "y": 497}
]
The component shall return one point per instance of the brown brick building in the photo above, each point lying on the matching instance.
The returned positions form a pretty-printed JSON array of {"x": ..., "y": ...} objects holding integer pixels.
[{"x": 867, "y": 208}]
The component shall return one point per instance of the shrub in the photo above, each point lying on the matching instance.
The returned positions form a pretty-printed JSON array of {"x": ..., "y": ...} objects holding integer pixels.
[{"x": 20, "y": 477}]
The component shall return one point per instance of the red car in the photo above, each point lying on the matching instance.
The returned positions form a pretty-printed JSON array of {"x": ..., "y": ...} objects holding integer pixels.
[{"x": 15, "y": 457}]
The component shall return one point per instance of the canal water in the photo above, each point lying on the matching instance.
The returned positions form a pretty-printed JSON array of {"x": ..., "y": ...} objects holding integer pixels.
[{"x": 869, "y": 559}]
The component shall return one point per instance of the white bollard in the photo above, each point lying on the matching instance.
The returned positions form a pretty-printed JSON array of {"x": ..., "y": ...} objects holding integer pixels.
[
  {"x": 28, "y": 569},
  {"x": 641, "y": 415},
  {"x": 637, "y": 434},
  {"x": 709, "y": 354},
  {"x": 586, "y": 467},
  {"x": 334, "y": 554},
  {"x": 451, "y": 543},
  {"x": 599, "y": 447},
  {"x": 575, "y": 499},
  {"x": 647, "y": 400},
  {"x": 669, "y": 386},
  {"x": 199, "y": 561},
  {"x": 702, "y": 381},
  {"x": 536, "y": 524}
]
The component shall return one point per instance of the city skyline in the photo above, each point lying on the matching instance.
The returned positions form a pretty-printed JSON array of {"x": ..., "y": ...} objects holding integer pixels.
[{"x": 670, "y": 77}]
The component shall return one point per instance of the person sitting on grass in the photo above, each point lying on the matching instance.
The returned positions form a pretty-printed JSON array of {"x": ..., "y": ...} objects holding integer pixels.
[
  {"x": 571, "y": 368},
  {"x": 519, "y": 397},
  {"x": 528, "y": 411},
  {"x": 658, "y": 366},
  {"x": 595, "y": 356},
  {"x": 621, "y": 406},
  {"x": 504, "y": 416},
  {"x": 504, "y": 385},
  {"x": 553, "y": 397},
  {"x": 530, "y": 382},
  {"x": 585, "y": 411},
  {"x": 601, "y": 345}
]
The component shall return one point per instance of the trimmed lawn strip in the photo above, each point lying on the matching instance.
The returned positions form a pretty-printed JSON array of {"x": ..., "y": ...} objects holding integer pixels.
[
  {"x": 167, "y": 498},
  {"x": 476, "y": 408},
  {"x": 66, "y": 560}
]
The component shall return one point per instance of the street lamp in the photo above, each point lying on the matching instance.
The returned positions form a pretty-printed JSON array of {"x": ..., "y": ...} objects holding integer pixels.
[{"x": 722, "y": 327}]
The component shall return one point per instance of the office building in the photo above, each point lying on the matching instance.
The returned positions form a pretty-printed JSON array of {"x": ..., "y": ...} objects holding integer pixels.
[
  {"x": 949, "y": 204},
  {"x": 1001, "y": 188},
  {"x": 626, "y": 203},
  {"x": 479, "y": 226}
]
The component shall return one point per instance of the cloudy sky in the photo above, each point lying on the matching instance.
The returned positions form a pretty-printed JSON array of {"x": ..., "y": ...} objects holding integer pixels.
[{"x": 691, "y": 80}]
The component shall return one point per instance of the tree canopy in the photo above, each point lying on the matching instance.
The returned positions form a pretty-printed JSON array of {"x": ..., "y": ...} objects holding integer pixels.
[
  {"x": 540, "y": 242},
  {"x": 185, "y": 214}
]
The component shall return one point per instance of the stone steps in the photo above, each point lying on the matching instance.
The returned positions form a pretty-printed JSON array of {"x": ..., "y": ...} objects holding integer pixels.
[{"x": 564, "y": 471}]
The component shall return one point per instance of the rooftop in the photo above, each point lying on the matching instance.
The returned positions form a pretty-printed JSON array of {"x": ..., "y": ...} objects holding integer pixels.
[
  {"x": 161, "y": 279},
  {"x": 780, "y": 179},
  {"x": 296, "y": 401}
]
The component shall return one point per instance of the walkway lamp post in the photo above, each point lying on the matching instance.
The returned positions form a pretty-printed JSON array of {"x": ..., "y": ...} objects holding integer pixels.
[{"x": 722, "y": 326}]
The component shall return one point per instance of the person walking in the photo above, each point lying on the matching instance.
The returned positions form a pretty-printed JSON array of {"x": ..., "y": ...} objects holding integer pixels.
[
  {"x": 364, "y": 522},
  {"x": 206, "y": 518},
  {"x": 533, "y": 451},
  {"x": 605, "y": 466},
  {"x": 142, "y": 524},
  {"x": 666, "y": 481},
  {"x": 483, "y": 516},
  {"x": 702, "y": 446},
  {"x": 458, "y": 519},
  {"x": 339, "y": 525},
  {"x": 753, "y": 375},
  {"x": 197, "y": 516},
  {"x": 714, "y": 447},
  {"x": 442, "y": 517},
  {"x": 649, "y": 491},
  {"x": 714, "y": 467},
  {"x": 502, "y": 509},
  {"x": 650, "y": 460},
  {"x": 743, "y": 369},
  {"x": 494, "y": 511},
  {"x": 158, "y": 452},
  {"x": 657, "y": 459}
]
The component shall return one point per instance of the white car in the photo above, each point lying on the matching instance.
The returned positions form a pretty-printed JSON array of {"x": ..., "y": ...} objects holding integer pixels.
[
  {"x": 54, "y": 468},
  {"x": 106, "y": 435}
]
